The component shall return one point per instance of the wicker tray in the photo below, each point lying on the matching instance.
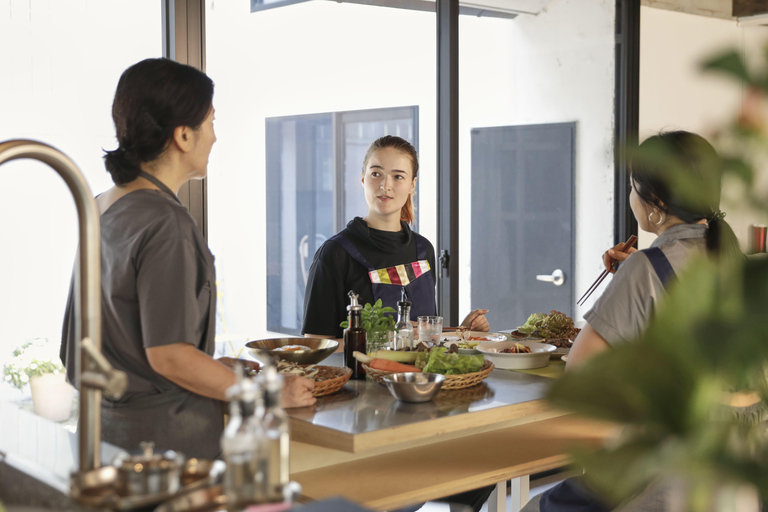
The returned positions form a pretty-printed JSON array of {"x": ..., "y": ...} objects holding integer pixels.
[
  {"x": 451, "y": 381},
  {"x": 330, "y": 379}
]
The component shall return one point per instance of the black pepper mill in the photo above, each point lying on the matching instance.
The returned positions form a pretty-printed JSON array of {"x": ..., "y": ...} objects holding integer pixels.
[{"x": 354, "y": 337}]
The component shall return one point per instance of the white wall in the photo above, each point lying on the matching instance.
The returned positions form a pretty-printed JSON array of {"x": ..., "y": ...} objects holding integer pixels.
[
  {"x": 59, "y": 65},
  {"x": 675, "y": 94}
]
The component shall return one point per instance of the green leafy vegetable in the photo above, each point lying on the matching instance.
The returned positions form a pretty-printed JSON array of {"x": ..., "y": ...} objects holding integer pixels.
[
  {"x": 375, "y": 318},
  {"x": 556, "y": 325},
  {"x": 439, "y": 360},
  {"x": 533, "y": 323}
]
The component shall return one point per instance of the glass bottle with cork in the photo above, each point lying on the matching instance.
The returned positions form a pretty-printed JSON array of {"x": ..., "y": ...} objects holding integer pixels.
[{"x": 354, "y": 337}]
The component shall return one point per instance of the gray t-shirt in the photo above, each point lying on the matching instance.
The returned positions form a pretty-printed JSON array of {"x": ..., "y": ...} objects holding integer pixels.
[
  {"x": 623, "y": 311},
  {"x": 158, "y": 287}
]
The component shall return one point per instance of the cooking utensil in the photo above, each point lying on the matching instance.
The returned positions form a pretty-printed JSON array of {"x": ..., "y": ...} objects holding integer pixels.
[
  {"x": 624, "y": 248},
  {"x": 414, "y": 387},
  {"x": 317, "y": 349},
  {"x": 148, "y": 472}
]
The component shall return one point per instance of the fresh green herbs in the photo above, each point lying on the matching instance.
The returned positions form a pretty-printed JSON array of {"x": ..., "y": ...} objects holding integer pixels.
[{"x": 375, "y": 318}]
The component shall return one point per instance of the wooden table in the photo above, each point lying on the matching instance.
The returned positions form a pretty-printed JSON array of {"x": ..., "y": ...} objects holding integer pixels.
[{"x": 384, "y": 454}]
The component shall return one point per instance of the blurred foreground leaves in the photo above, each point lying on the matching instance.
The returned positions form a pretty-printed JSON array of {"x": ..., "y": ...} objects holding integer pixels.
[{"x": 708, "y": 339}]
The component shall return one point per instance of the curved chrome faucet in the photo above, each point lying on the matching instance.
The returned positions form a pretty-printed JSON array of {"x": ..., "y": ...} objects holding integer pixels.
[{"x": 93, "y": 371}]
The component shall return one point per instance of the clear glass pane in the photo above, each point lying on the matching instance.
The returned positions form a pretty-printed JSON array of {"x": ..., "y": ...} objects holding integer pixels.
[
  {"x": 336, "y": 62},
  {"x": 61, "y": 62},
  {"x": 536, "y": 158}
]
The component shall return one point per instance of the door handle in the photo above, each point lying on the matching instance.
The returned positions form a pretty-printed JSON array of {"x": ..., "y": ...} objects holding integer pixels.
[{"x": 557, "y": 278}]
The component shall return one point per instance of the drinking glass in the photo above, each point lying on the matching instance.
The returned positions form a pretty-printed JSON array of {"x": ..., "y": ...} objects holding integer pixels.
[{"x": 430, "y": 328}]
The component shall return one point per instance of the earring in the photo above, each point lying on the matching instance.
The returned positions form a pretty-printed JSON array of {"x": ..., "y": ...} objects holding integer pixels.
[{"x": 661, "y": 217}]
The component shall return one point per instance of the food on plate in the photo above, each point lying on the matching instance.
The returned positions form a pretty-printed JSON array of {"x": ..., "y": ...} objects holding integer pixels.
[
  {"x": 533, "y": 323},
  {"x": 309, "y": 371},
  {"x": 559, "y": 342},
  {"x": 469, "y": 345},
  {"x": 556, "y": 328},
  {"x": 517, "y": 348},
  {"x": 440, "y": 360},
  {"x": 291, "y": 348}
]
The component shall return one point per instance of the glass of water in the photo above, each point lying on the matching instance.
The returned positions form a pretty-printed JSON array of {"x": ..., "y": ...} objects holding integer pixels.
[{"x": 430, "y": 329}]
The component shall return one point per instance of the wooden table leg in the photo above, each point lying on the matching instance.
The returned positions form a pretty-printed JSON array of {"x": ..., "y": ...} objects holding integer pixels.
[
  {"x": 520, "y": 492},
  {"x": 497, "y": 501}
]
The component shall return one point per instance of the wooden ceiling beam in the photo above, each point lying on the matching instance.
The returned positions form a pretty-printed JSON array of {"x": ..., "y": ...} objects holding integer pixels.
[{"x": 749, "y": 7}]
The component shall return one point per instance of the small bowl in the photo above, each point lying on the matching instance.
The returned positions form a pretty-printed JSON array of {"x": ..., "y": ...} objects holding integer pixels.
[
  {"x": 318, "y": 350},
  {"x": 414, "y": 386},
  {"x": 537, "y": 358}
]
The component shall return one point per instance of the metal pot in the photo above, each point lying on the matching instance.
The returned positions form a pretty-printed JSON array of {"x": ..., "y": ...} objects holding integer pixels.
[{"x": 148, "y": 472}]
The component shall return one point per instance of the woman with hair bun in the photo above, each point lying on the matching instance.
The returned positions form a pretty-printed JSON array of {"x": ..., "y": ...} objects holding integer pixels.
[
  {"x": 355, "y": 258},
  {"x": 158, "y": 280}
]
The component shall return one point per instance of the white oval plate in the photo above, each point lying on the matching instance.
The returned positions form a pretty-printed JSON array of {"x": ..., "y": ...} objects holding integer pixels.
[
  {"x": 538, "y": 358},
  {"x": 449, "y": 338}
]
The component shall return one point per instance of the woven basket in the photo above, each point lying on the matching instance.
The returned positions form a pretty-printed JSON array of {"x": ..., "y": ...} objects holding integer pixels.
[
  {"x": 451, "y": 381},
  {"x": 330, "y": 379}
]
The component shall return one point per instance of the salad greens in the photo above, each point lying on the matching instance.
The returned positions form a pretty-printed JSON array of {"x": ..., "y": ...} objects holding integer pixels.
[
  {"x": 555, "y": 325},
  {"x": 439, "y": 360},
  {"x": 533, "y": 323},
  {"x": 375, "y": 318}
]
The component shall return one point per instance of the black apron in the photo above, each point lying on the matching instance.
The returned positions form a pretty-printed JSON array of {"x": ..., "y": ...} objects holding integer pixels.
[
  {"x": 417, "y": 278},
  {"x": 175, "y": 420}
]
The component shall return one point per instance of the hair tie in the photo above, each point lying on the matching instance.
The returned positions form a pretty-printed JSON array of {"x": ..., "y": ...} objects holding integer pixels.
[{"x": 716, "y": 215}]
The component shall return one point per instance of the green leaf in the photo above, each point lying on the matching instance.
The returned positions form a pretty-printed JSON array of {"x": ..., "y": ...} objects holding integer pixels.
[{"x": 731, "y": 64}]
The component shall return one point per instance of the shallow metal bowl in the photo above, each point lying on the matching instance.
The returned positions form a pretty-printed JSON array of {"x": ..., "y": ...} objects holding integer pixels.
[
  {"x": 415, "y": 386},
  {"x": 318, "y": 350}
]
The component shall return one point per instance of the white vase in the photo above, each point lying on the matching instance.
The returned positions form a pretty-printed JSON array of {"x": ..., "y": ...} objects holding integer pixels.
[{"x": 52, "y": 396}]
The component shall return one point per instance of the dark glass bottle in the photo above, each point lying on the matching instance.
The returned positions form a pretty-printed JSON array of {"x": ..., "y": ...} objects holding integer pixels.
[{"x": 354, "y": 338}]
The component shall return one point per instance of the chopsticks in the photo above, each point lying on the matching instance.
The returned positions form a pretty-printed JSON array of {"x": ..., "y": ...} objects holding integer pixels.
[{"x": 624, "y": 248}]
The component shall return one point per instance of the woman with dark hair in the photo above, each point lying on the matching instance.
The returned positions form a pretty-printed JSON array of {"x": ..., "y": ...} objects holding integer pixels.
[
  {"x": 688, "y": 223},
  {"x": 158, "y": 278},
  {"x": 363, "y": 256}
]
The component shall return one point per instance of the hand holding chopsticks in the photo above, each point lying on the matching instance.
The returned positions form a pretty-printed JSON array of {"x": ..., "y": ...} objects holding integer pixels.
[{"x": 611, "y": 264}]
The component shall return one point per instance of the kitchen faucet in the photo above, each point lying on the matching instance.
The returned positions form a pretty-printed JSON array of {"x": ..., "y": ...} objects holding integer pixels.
[{"x": 94, "y": 374}]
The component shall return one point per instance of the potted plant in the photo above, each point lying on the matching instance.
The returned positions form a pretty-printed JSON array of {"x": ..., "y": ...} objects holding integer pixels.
[
  {"x": 378, "y": 324},
  {"x": 676, "y": 391},
  {"x": 36, "y": 362}
]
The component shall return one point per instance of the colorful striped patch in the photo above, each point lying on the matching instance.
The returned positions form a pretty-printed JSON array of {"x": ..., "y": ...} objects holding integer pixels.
[{"x": 401, "y": 274}]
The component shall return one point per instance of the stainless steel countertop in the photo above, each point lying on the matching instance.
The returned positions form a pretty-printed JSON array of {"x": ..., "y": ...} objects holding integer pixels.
[{"x": 364, "y": 406}]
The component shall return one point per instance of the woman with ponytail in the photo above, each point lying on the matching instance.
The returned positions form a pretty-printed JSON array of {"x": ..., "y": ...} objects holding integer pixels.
[
  {"x": 687, "y": 222},
  {"x": 158, "y": 280},
  {"x": 357, "y": 257}
]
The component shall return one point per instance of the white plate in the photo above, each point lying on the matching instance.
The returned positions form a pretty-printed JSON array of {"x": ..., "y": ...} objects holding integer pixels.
[
  {"x": 538, "y": 358},
  {"x": 449, "y": 337}
]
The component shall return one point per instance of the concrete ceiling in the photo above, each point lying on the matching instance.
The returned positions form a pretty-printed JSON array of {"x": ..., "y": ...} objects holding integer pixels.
[{"x": 712, "y": 8}]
